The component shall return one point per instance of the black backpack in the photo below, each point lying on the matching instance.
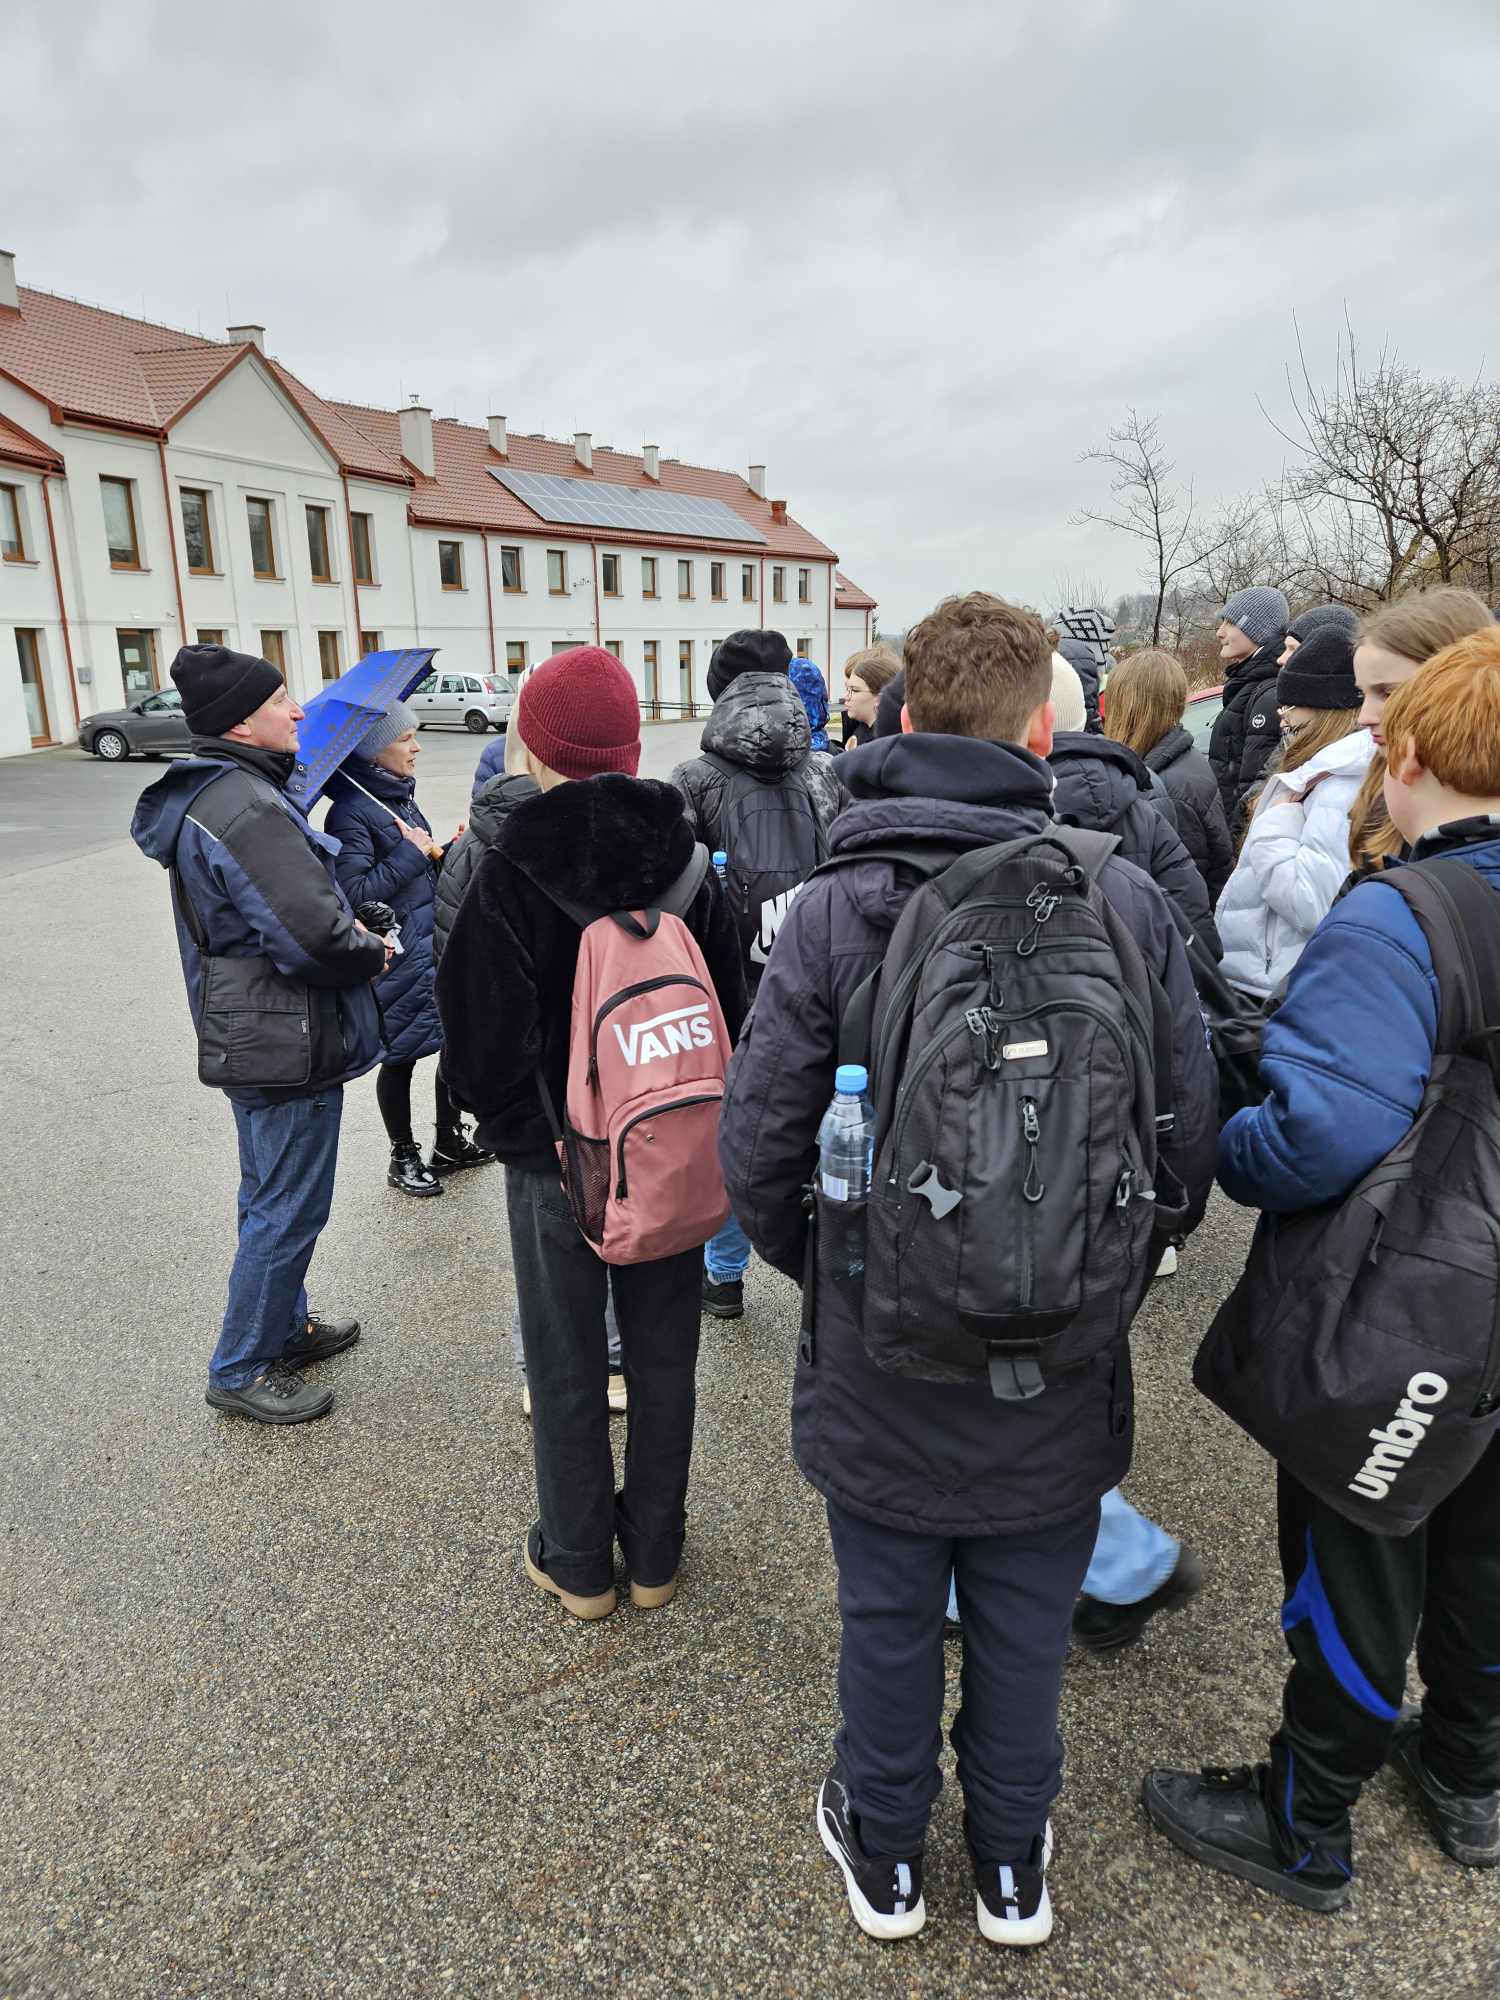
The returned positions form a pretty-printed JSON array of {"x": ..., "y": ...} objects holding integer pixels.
[
  {"x": 770, "y": 832},
  {"x": 1361, "y": 1347},
  {"x": 1020, "y": 1060}
]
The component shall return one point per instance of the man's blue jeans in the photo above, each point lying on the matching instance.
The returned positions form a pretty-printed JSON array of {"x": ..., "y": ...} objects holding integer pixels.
[
  {"x": 1132, "y": 1556},
  {"x": 288, "y": 1153},
  {"x": 726, "y": 1257}
]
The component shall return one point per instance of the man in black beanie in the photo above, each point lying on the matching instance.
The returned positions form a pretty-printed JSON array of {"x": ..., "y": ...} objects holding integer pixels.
[
  {"x": 278, "y": 973},
  {"x": 765, "y": 799}
]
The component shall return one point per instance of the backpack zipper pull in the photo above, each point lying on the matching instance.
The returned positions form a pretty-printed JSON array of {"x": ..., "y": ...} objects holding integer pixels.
[
  {"x": 1034, "y": 1187},
  {"x": 1041, "y": 902}
]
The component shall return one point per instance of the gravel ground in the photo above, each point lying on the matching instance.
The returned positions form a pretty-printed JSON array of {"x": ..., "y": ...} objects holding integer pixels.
[{"x": 279, "y": 1713}]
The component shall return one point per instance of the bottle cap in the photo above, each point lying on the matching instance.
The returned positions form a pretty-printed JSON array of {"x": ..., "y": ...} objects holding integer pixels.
[{"x": 851, "y": 1079}]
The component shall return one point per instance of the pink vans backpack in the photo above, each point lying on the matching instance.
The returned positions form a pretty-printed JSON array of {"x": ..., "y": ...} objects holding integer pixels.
[{"x": 638, "y": 1142}]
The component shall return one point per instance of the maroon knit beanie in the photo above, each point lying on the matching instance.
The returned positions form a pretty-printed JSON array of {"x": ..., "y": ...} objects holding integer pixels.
[{"x": 579, "y": 715}]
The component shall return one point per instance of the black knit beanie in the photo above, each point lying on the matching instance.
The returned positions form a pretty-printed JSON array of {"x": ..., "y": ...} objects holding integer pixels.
[
  {"x": 1320, "y": 674},
  {"x": 220, "y": 688},
  {"x": 747, "y": 653}
]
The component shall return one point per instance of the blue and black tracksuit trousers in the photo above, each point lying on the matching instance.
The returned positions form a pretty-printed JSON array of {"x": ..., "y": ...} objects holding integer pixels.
[{"x": 1355, "y": 1602}]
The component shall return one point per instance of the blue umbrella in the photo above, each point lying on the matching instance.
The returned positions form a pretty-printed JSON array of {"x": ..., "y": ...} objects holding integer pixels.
[{"x": 336, "y": 718}]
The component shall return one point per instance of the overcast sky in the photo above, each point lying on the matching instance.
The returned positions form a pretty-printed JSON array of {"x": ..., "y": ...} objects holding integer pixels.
[{"x": 914, "y": 257}]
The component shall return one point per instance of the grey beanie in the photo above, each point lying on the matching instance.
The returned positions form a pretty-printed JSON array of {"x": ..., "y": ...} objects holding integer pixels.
[
  {"x": 397, "y": 719},
  {"x": 1260, "y": 612},
  {"x": 1339, "y": 616}
]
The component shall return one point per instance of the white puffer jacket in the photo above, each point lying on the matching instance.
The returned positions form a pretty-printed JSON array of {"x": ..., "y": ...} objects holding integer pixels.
[{"x": 1294, "y": 862}]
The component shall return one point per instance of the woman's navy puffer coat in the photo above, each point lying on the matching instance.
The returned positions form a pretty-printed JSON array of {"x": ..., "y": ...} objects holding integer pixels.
[{"x": 376, "y": 863}]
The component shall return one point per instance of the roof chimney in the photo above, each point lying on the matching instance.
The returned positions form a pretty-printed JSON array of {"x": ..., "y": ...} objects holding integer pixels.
[
  {"x": 583, "y": 449},
  {"x": 651, "y": 461},
  {"x": 416, "y": 436},
  {"x": 778, "y": 513},
  {"x": 499, "y": 441},
  {"x": 8, "y": 293},
  {"x": 758, "y": 481},
  {"x": 248, "y": 336}
]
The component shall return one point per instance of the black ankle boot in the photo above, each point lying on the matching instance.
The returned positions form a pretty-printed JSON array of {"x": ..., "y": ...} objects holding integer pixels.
[{"x": 410, "y": 1172}]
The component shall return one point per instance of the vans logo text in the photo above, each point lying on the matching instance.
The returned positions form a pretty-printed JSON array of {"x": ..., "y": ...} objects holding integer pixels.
[
  {"x": 1399, "y": 1438},
  {"x": 667, "y": 1034}
]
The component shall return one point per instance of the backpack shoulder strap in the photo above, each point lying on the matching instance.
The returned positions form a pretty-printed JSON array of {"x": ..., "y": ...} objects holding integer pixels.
[
  {"x": 676, "y": 901},
  {"x": 679, "y": 899},
  {"x": 1460, "y": 916}
]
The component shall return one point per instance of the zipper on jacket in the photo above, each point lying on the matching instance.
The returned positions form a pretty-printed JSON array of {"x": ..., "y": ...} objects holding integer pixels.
[
  {"x": 682, "y": 1104},
  {"x": 632, "y": 993}
]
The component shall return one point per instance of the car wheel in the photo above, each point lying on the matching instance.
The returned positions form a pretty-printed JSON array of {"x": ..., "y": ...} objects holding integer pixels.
[
  {"x": 111, "y": 746},
  {"x": 475, "y": 723}
]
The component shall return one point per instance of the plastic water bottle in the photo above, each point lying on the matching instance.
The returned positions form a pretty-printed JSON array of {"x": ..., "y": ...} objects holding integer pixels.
[
  {"x": 846, "y": 1137},
  {"x": 721, "y": 864}
]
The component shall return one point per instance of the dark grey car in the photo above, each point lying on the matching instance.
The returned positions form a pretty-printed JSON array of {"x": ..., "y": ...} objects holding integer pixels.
[{"x": 149, "y": 727}]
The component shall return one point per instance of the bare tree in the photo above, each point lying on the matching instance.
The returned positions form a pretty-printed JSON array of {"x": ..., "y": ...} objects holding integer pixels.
[{"x": 1148, "y": 508}]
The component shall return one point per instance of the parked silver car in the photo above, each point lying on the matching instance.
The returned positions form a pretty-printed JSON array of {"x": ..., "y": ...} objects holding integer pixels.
[
  {"x": 463, "y": 701},
  {"x": 151, "y": 726}
]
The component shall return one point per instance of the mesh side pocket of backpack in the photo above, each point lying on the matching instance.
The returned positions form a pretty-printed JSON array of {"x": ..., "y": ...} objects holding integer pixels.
[{"x": 588, "y": 1166}]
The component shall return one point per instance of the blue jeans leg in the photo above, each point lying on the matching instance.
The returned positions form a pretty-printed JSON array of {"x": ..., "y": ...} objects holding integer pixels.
[
  {"x": 288, "y": 1153},
  {"x": 1132, "y": 1556},
  {"x": 726, "y": 1257}
]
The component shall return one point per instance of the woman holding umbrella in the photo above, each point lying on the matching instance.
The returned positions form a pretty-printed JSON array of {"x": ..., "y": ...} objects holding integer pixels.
[{"x": 388, "y": 855}]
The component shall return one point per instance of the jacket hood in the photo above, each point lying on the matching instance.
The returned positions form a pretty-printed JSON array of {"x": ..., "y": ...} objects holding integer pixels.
[
  {"x": 1084, "y": 661},
  {"x": 1098, "y": 780},
  {"x": 608, "y": 843},
  {"x": 955, "y": 789},
  {"x": 162, "y": 807},
  {"x": 1351, "y": 753},
  {"x": 1176, "y": 743},
  {"x": 759, "y": 723},
  {"x": 490, "y": 808}
]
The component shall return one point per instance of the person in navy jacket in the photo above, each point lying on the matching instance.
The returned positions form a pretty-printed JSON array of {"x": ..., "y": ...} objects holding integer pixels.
[
  {"x": 387, "y": 855},
  {"x": 253, "y": 880},
  {"x": 1346, "y": 1060}
]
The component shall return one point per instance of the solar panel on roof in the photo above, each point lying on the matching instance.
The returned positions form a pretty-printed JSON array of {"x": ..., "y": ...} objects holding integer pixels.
[{"x": 596, "y": 504}]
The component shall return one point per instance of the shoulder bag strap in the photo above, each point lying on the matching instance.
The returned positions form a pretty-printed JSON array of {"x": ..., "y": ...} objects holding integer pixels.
[{"x": 1460, "y": 914}]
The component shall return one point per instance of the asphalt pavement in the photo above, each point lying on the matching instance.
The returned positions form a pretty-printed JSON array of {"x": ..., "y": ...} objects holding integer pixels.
[{"x": 279, "y": 1712}]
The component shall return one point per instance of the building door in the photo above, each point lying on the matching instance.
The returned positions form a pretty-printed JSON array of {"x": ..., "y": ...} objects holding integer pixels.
[
  {"x": 138, "y": 664},
  {"x": 685, "y": 676},
  {"x": 653, "y": 679},
  {"x": 33, "y": 691}
]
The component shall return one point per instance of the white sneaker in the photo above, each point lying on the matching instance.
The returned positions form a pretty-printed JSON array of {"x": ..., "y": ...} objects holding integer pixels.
[
  {"x": 525, "y": 1399},
  {"x": 1167, "y": 1268},
  {"x": 616, "y": 1394}
]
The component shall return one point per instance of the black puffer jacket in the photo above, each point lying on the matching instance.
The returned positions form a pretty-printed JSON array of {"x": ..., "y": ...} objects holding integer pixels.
[
  {"x": 1189, "y": 777},
  {"x": 929, "y": 1457},
  {"x": 487, "y": 814},
  {"x": 1081, "y": 659},
  {"x": 1101, "y": 784},
  {"x": 1247, "y": 731},
  {"x": 505, "y": 986},
  {"x": 759, "y": 724}
]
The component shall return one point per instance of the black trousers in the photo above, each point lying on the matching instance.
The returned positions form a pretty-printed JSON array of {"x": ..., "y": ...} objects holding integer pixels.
[
  {"x": 1016, "y": 1594},
  {"x": 562, "y": 1289},
  {"x": 393, "y": 1096},
  {"x": 1354, "y": 1604}
]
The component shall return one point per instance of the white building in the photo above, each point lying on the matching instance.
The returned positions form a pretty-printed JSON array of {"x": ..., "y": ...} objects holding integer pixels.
[{"x": 157, "y": 487}]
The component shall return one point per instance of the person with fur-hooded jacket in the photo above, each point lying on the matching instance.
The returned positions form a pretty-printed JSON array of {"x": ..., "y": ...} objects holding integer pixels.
[
  {"x": 759, "y": 724},
  {"x": 601, "y": 840},
  {"x": 1103, "y": 785}
]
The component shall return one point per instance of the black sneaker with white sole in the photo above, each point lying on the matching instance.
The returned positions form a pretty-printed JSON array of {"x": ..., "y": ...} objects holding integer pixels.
[
  {"x": 280, "y": 1396},
  {"x": 1010, "y": 1897},
  {"x": 885, "y": 1892},
  {"x": 1465, "y": 1825},
  {"x": 1223, "y": 1817}
]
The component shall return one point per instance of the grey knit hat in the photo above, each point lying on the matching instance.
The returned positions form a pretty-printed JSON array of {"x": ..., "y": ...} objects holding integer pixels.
[
  {"x": 397, "y": 719},
  {"x": 1260, "y": 612},
  {"x": 1339, "y": 616}
]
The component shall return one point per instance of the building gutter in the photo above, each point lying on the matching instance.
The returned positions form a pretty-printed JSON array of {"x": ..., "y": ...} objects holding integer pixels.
[
  {"x": 353, "y": 565},
  {"x": 62, "y": 609},
  {"x": 489, "y": 599},
  {"x": 166, "y": 494},
  {"x": 594, "y": 551}
]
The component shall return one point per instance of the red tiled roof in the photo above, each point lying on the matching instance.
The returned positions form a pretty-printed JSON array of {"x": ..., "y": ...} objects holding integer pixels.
[
  {"x": 848, "y": 596},
  {"x": 108, "y": 368},
  {"x": 20, "y": 447},
  {"x": 463, "y": 495}
]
